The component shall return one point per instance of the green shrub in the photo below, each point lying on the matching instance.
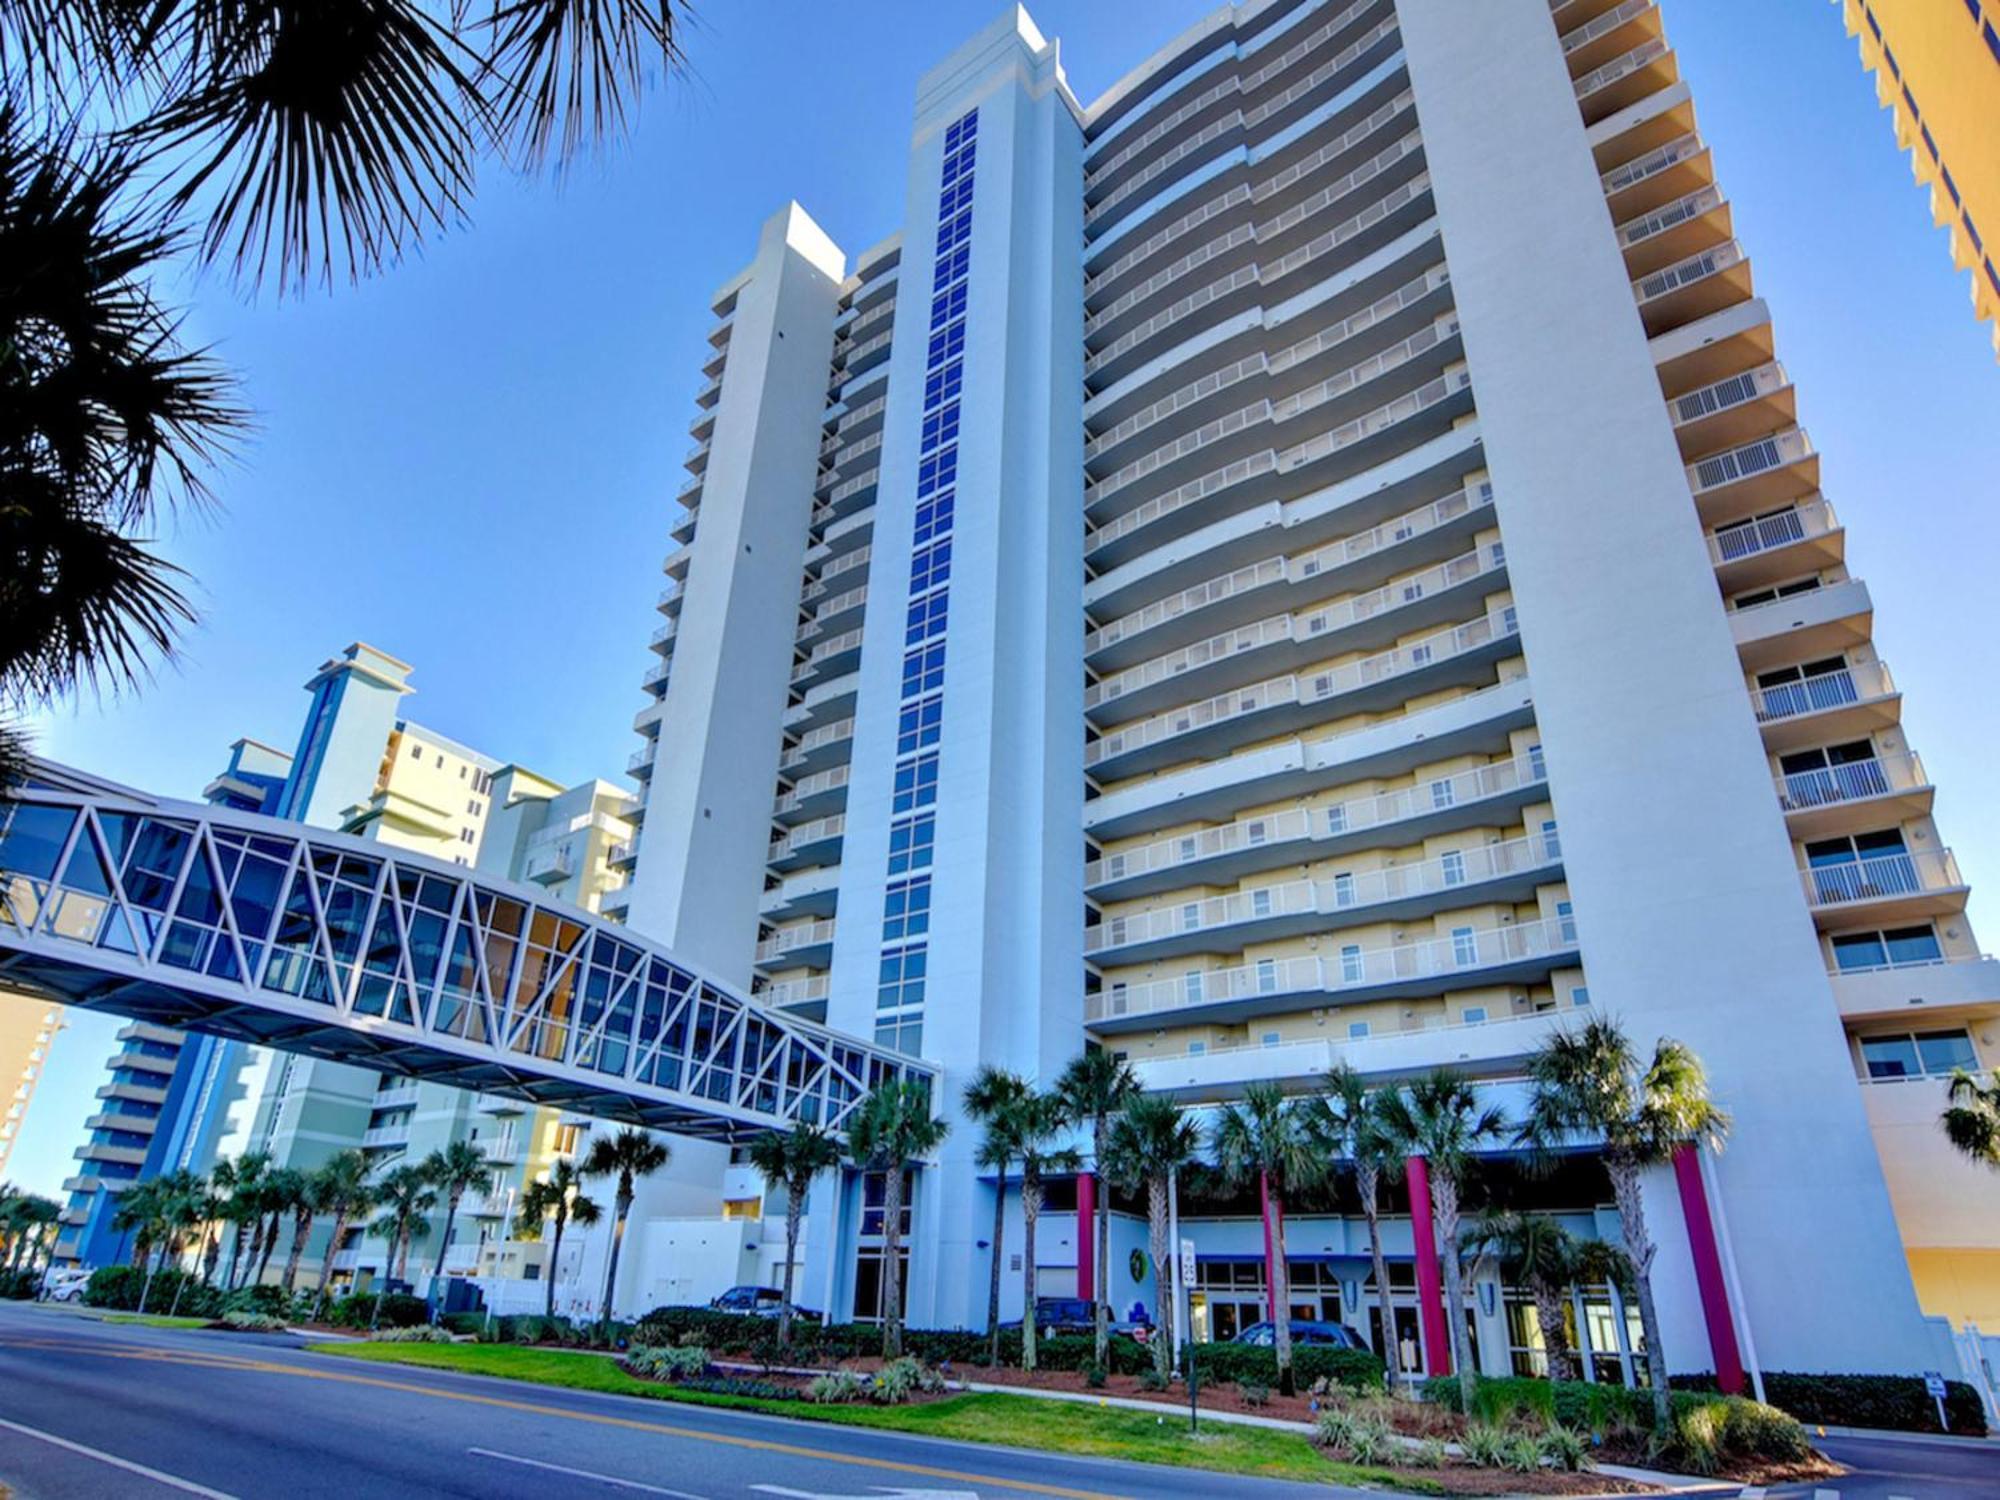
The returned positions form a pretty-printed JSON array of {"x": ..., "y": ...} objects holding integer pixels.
[
  {"x": 1428, "y": 1454},
  {"x": 1566, "y": 1448},
  {"x": 736, "y": 1385},
  {"x": 271, "y": 1301},
  {"x": 1522, "y": 1453},
  {"x": 1354, "y": 1369},
  {"x": 1151, "y": 1380},
  {"x": 19, "y": 1286},
  {"x": 900, "y": 1379},
  {"x": 120, "y": 1287},
  {"x": 399, "y": 1310},
  {"x": 1484, "y": 1446},
  {"x": 420, "y": 1333},
  {"x": 253, "y": 1322},
  {"x": 836, "y": 1387},
  {"x": 1897, "y": 1403},
  {"x": 666, "y": 1361},
  {"x": 1334, "y": 1428},
  {"x": 470, "y": 1324}
]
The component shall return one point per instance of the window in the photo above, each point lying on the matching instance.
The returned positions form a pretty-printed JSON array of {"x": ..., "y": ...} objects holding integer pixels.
[
  {"x": 1924, "y": 1054},
  {"x": 1566, "y": 921},
  {"x": 906, "y": 909},
  {"x": 1191, "y": 917},
  {"x": 1351, "y": 966},
  {"x": 911, "y": 843},
  {"x": 1191, "y": 986},
  {"x": 463, "y": 771},
  {"x": 1464, "y": 946},
  {"x": 1343, "y": 889},
  {"x": 1892, "y": 948},
  {"x": 1357, "y": 1028},
  {"x": 926, "y": 618},
  {"x": 1260, "y": 903},
  {"x": 1579, "y": 996},
  {"x": 1442, "y": 794},
  {"x": 1453, "y": 866},
  {"x": 416, "y": 752},
  {"x": 1196, "y": 1049},
  {"x": 1267, "y": 976},
  {"x": 900, "y": 979},
  {"x": 1336, "y": 818},
  {"x": 930, "y": 566},
  {"x": 916, "y": 783},
  {"x": 923, "y": 670},
  {"x": 917, "y": 725},
  {"x": 1551, "y": 845},
  {"x": 1537, "y": 769},
  {"x": 1473, "y": 1015}
]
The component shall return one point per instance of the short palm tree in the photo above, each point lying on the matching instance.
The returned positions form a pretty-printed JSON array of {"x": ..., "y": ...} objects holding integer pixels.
[
  {"x": 1038, "y": 1121},
  {"x": 214, "y": 1213},
  {"x": 285, "y": 1190},
  {"x": 1535, "y": 1253},
  {"x": 304, "y": 1206},
  {"x": 1439, "y": 1118},
  {"x": 404, "y": 1196},
  {"x": 559, "y": 1200},
  {"x": 629, "y": 1156},
  {"x": 989, "y": 1099},
  {"x": 26, "y": 1220},
  {"x": 1094, "y": 1087},
  {"x": 150, "y": 1212},
  {"x": 1149, "y": 1141},
  {"x": 454, "y": 1169},
  {"x": 1263, "y": 1139},
  {"x": 1971, "y": 1119},
  {"x": 1590, "y": 1084},
  {"x": 793, "y": 1160},
  {"x": 1343, "y": 1123},
  {"x": 888, "y": 1131},
  {"x": 341, "y": 1188}
]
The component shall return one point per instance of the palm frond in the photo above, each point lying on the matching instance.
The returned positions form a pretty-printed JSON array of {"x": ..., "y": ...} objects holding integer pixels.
[{"x": 559, "y": 75}]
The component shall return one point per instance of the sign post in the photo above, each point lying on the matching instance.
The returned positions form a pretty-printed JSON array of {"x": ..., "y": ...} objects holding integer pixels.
[
  {"x": 1934, "y": 1385},
  {"x": 1186, "y": 1269}
]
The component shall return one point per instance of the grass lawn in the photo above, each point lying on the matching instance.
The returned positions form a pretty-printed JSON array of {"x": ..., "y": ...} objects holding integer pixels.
[
  {"x": 156, "y": 1320},
  {"x": 1016, "y": 1421}
]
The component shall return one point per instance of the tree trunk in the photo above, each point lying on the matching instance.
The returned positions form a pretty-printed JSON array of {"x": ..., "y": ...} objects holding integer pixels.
[
  {"x": 624, "y": 1207},
  {"x": 794, "y": 1196},
  {"x": 270, "y": 1246},
  {"x": 1100, "y": 1227},
  {"x": 892, "y": 1263},
  {"x": 1281, "y": 1288},
  {"x": 326, "y": 1263},
  {"x": 1639, "y": 1250},
  {"x": 180, "y": 1285},
  {"x": 555, "y": 1254},
  {"x": 146, "y": 1286},
  {"x": 1444, "y": 1204},
  {"x": 1031, "y": 1210},
  {"x": 1368, "y": 1180},
  {"x": 1549, "y": 1314},
  {"x": 444, "y": 1245},
  {"x": 302, "y": 1225},
  {"x": 211, "y": 1253},
  {"x": 1163, "y": 1304},
  {"x": 993, "y": 1292}
]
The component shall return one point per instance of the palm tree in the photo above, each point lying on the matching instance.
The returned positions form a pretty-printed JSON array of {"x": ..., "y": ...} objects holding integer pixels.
[
  {"x": 1150, "y": 1140},
  {"x": 1536, "y": 1253},
  {"x": 1590, "y": 1082},
  {"x": 629, "y": 1156},
  {"x": 1094, "y": 1087},
  {"x": 214, "y": 1214},
  {"x": 405, "y": 1197},
  {"x": 1439, "y": 1118},
  {"x": 1264, "y": 1139},
  {"x": 341, "y": 1188},
  {"x": 889, "y": 1130},
  {"x": 1972, "y": 1119},
  {"x": 285, "y": 1190},
  {"x": 1343, "y": 1123},
  {"x": 147, "y": 1209},
  {"x": 454, "y": 1170},
  {"x": 793, "y": 1161},
  {"x": 990, "y": 1098},
  {"x": 1037, "y": 1121},
  {"x": 557, "y": 1198},
  {"x": 185, "y": 1204},
  {"x": 239, "y": 1182},
  {"x": 26, "y": 1223}
]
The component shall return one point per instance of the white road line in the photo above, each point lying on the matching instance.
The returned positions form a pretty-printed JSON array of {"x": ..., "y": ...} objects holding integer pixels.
[
  {"x": 186, "y": 1486},
  {"x": 611, "y": 1479}
]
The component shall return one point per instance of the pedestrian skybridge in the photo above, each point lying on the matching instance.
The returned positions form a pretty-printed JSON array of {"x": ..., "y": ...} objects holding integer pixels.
[{"x": 251, "y": 927}]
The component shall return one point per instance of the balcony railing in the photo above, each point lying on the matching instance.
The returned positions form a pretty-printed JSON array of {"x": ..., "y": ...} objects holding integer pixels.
[
  {"x": 1686, "y": 272},
  {"x": 833, "y": 571},
  {"x": 816, "y": 739},
  {"x": 1337, "y": 820},
  {"x": 1654, "y": 162},
  {"x": 794, "y": 991},
  {"x": 1693, "y": 206},
  {"x": 1885, "y": 875},
  {"x": 793, "y": 939},
  {"x": 1751, "y": 459},
  {"x": 1604, "y": 25},
  {"x": 808, "y": 834},
  {"x": 1723, "y": 395},
  {"x": 1855, "y": 781},
  {"x": 1442, "y": 961},
  {"x": 1447, "y": 876},
  {"x": 1856, "y": 683},
  {"x": 1767, "y": 533},
  {"x": 815, "y": 785},
  {"x": 1648, "y": 51},
  {"x": 384, "y": 1137}
]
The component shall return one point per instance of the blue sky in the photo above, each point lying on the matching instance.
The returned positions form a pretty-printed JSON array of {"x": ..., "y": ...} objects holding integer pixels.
[{"x": 468, "y": 461}]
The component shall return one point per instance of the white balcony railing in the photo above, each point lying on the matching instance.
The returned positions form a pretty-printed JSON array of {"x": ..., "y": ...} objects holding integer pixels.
[
  {"x": 1858, "y": 682},
  {"x": 1336, "y": 820},
  {"x": 795, "y": 991},
  {"x": 1777, "y": 451},
  {"x": 793, "y": 939},
  {"x": 1636, "y": 171},
  {"x": 1884, "y": 875},
  {"x": 1683, "y": 273},
  {"x": 1446, "y": 876},
  {"x": 1854, "y": 781},
  {"x": 1767, "y": 533},
  {"x": 807, "y": 834},
  {"x": 1725, "y": 394},
  {"x": 1440, "y": 961},
  {"x": 1667, "y": 216},
  {"x": 1648, "y": 51},
  {"x": 820, "y": 782},
  {"x": 1604, "y": 25}
]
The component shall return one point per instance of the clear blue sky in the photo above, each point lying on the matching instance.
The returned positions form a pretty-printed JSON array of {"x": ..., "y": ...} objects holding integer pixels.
[{"x": 468, "y": 461}]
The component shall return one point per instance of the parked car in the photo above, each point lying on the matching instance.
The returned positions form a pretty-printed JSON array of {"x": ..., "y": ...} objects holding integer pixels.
[
  {"x": 757, "y": 1302},
  {"x": 1078, "y": 1315},
  {"x": 65, "y": 1283},
  {"x": 1334, "y": 1335}
]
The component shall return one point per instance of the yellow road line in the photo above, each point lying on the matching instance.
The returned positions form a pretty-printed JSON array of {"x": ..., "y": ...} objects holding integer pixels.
[{"x": 761, "y": 1445}]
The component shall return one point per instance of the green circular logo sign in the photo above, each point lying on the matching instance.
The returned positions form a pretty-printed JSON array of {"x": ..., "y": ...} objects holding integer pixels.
[{"x": 1138, "y": 1265}]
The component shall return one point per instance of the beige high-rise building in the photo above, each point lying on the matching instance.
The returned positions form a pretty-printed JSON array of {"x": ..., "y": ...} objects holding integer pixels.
[{"x": 28, "y": 1028}]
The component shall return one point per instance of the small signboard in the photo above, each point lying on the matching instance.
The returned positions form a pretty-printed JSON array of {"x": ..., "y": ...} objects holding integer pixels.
[
  {"x": 1187, "y": 1262},
  {"x": 1934, "y": 1388}
]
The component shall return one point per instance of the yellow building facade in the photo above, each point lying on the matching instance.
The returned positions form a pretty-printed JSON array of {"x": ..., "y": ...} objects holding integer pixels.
[{"x": 28, "y": 1028}]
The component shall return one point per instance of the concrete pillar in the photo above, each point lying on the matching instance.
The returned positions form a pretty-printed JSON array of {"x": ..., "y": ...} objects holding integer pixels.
[
  {"x": 1708, "y": 1277},
  {"x": 1430, "y": 1276},
  {"x": 1086, "y": 1235}
]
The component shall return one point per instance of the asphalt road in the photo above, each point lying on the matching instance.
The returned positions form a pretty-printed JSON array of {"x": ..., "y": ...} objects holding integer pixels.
[
  {"x": 90, "y": 1411},
  {"x": 1882, "y": 1469}
]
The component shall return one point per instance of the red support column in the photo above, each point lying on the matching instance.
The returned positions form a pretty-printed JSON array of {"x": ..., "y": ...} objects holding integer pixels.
[
  {"x": 1430, "y": 1276},
  {"x": 1708, "y": 1272},
  {"x": 1086, "y": 1234},
  {"x": 1270, "y": 1277}
]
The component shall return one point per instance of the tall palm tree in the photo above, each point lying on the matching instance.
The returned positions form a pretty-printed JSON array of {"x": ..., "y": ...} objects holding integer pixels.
[
  {"x": 1038, "y": 1121},
  {"x": 1536, "y": 1253},
  {"x": 183, "y": 1214},
  {"x": 304, "y": 1206},
  {"x": 405, "y": 1196},
  {"x": 1094, "y": 1087},
  {"x": 1343, "y": 1123},
  {"x": 214, "y": 1214},
  {"x": 1590, "y": 1083},
  {"x": 889, "y": 1130},
  {"x": 1439, "y": 1117},
  {"x": 990, "y": 1099},
  {"x": 793, "y": 1160},
  {"x": 1263, "y": 1139},
  {"x": 147, "y": 1209},
  {"x": 454, "y": 1169},
  {"x": 342, "y": 1188},
  {"x": 1971, "y": 1120},
  {"x": 239, "y": 1181},
  {"x": 1149, "y": 1141},
  {"x": 630, "y": 1156},
  {"x": 285, "y": 1190},
  {"x": 557, "y": 1199}
]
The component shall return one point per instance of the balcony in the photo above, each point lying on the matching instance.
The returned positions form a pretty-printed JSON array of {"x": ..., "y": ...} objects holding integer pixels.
[
  {"x": 1845, "y": 798},
  {"x": 1609, "y": 35},
  {"x": 1509, "y": 871},
  {"x": 807, "y": 946},
  {"x": 838, "y": 612},
  {"x": 813, "y": 796},
  {"x": 396, "y": 1096},
  {"x": 1831, "y": 620},
  {"x": 835, "y": 570},
  {"x": 829, "y": 745},
  {"x": 1755, "y": 476},
  {"x": 813, "y": 892},
  {"x": 1906, "y": 887},
  {"x": 552, "y": 866},
  {"x": 386, "y": 1137},
  {"x": 1472, "y": 958},
  {"x": 1299, "y": 835},
  {"x": 710, "y": 393},
  {"x": 639, "y": 764},
  {"x": 1732, "y": 412},
  {"x": 146, "y": 1031},
  {"x": 131, "y": 1124},
  {"x": 796, "y": 993},
  {"x": 1697, "y": 287},
  {"x": 1776, "y": 546},
  {"x": 1848, "y": 704},
  {"x": 1673, "y": 170},
  {"x": 502, "y": 1149},
  {"x": 135, "y": 1093},
  {"x": 623, "y": 855},
  {"x": 830, "y": 658},
  {"x": 1217, "y": 725},
  {"x": 1358, "y": 623},
  {"x": 814, "y": 843},
  {"x": 1674, "y": 231},
  {"x": 1626, "y": 79},
  {"x": 1931, "y": 988}
]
